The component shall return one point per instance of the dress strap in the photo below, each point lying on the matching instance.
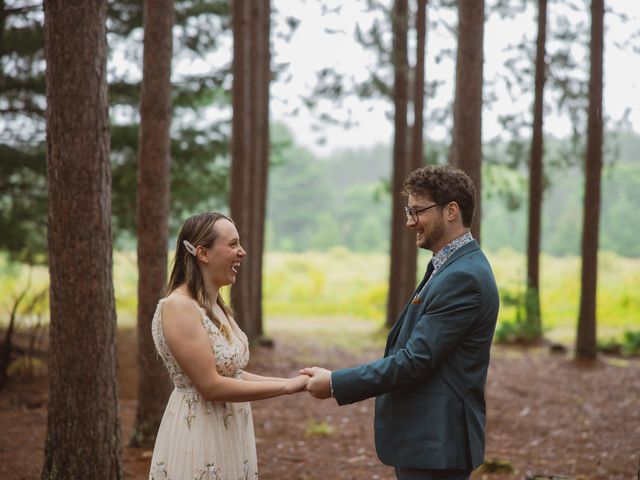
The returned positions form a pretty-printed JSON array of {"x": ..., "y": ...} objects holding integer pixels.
[{"x": 204, "y": 317}]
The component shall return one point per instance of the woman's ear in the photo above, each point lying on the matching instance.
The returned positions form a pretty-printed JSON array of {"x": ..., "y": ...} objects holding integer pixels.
[{"x": 202, "y": 254}]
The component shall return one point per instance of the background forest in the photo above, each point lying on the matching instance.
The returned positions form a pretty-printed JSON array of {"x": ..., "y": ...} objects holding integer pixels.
[{"x": 344, "y": 200}]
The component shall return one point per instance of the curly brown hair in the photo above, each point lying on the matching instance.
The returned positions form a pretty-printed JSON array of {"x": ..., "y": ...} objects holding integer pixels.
[{"x": 442, "y": 184}]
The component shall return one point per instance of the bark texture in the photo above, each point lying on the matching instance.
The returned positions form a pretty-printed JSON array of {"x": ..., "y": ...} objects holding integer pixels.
[
  {"x": 466, "y": 147},
  {"x": 152, "y": 226},
  {"x": 536, "y": 169},
  {"x": 417, "y": 132},
  {"x": 250, "y": 153},
  {"x": 83, "y": 431},
  {"x": 402, "y": 270},
  {"x": 586, "y": 338}
]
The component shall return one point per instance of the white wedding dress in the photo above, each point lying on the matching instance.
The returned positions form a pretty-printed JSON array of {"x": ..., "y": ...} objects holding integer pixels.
[{"x": 200, "y": 440}]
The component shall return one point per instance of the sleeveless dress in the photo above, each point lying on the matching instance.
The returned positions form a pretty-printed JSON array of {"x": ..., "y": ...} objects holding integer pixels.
[{"x": 197, "y": 439}]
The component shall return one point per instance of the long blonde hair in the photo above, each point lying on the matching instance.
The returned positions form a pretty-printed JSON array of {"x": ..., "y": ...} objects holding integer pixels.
[{"x": 198, "y": 230}]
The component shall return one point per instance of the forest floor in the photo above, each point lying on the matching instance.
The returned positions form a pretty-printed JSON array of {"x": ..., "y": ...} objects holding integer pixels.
[{"x": 547, "y": 415}]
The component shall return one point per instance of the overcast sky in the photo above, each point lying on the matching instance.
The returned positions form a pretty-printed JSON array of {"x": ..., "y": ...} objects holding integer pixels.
[{"x": 327, "y": 41}]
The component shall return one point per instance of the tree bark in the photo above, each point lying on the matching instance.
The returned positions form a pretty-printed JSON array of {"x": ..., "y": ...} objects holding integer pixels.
[
  {"x": 586, "y": 338},
  {"x": 153, "y": 212},
  {"x": 250, "y": 153},
  {"x": 417, "y": 132},
  {"x": 536, "y": 181},
  {"x": 466, "y": 148},
  {"x": 83, "y": 431},
  {"x": 402, "y": 269}
]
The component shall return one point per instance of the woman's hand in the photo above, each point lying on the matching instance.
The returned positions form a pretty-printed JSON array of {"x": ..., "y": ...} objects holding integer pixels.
[{"x": 295, "y": 384}]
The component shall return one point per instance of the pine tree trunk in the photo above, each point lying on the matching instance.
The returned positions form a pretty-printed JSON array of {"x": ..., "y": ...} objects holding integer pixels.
[
  {"x": 417, "y": 132},
  {"x": 586, "y": 338},
  {"x": 466, "y": 148},
  {"x": 250, "y": 153},
  {"x": 153, "y": 212},
  {"x": 83, "y": 431},
  {"x": 402, "y": 270},
  {"x": 536, "y": 181}
]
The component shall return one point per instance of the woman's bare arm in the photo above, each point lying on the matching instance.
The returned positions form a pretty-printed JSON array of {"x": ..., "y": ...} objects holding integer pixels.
[
  {"x": 190, "y": 346},
  {"x": 252, "y": 377}
]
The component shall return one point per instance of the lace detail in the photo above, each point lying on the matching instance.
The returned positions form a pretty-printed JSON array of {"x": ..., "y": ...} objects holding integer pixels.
[
  {"x": 231, "y": 357},
  {"x": 199, "y": 439},
  {"x": 209, "y": 472},
  {"x": 158, "y": 472},
  {"x": 192, "y": 403}
]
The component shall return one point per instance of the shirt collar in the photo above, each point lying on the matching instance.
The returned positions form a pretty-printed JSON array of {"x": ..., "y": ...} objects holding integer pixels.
[{"x": 445, "y": 252}]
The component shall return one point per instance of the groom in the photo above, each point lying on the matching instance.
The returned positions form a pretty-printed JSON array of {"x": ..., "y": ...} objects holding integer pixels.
[{"x": 429, "y": 387}]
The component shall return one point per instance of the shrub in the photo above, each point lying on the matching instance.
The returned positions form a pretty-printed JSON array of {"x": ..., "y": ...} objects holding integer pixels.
[{"x": 628, "y": 346}]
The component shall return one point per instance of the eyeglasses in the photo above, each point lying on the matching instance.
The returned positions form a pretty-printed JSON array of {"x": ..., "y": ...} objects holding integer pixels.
[{"x": 413, "y": 214}]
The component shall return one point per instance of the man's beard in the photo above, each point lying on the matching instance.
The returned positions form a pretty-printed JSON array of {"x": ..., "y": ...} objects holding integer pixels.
[{"x": 433, "y": 236}]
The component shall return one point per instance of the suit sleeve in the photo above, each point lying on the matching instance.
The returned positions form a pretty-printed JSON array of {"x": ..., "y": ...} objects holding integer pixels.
[{"x": 444, "y": 323}]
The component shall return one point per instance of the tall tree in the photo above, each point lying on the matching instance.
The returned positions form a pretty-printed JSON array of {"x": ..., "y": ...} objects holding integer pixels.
[
  {"x": 586, "y": 338},
  {"x": 536, "y": 180},
  {"x": 153, "y": 211},
  {"x": 250, "y": 152},
  {"x": 83, "y": 431},
  {"x": 466, "y": 146},
  {"x": 417, "y": 131},
  {"x": 402, "y": 270}
]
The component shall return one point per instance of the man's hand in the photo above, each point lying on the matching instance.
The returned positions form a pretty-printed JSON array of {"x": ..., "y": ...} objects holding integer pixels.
[{"x": 319, "y": 384}]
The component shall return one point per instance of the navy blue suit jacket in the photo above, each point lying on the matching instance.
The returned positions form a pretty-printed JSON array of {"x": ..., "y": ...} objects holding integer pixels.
[{"x": 430, "y": 407}]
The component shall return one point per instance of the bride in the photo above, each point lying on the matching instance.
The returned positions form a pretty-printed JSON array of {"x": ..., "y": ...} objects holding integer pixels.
[{"x": 207, "y": 428}]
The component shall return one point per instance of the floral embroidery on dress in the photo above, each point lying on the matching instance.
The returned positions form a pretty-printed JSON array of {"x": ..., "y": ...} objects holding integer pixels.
[
  {"x": 231, "y": 357},
  {"x": 226, "y": 416},
  {"x": 248, "y": 474},
  {"x": 245, "y": 468},
  {"x": 245, "y": 411},
  {"x": 158, "y": 472},
  {"x": 209, "y": 472},
  {"x": 192, "y": 402},
  {"x": 195, "y": 412}
]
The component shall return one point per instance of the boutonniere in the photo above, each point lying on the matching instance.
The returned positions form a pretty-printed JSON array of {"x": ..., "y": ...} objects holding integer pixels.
[{"x": 416, "y": 300}]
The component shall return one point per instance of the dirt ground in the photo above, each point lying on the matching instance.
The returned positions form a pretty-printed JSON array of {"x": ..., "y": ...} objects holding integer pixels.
[{"x": 547, "y": 415}]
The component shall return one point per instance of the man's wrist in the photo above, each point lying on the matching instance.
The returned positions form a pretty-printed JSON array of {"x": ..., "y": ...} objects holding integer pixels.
[{"x": 331, "y": 385}]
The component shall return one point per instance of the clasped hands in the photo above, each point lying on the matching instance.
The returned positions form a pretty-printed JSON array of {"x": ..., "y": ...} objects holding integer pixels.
[{"x": 315, "y": 380}]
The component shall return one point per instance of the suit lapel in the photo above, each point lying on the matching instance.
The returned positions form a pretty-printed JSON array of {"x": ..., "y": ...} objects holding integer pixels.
[
  {"x": 461, "y": 252},
  {"x": 395, "y": 331}
]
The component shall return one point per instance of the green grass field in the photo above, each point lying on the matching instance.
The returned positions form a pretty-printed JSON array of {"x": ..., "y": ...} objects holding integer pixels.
[
  {"x": 344, "y": 284},
  {"x": 345, "y": 291}
]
